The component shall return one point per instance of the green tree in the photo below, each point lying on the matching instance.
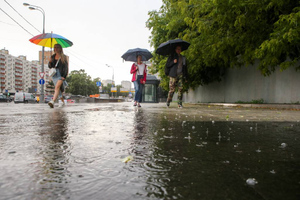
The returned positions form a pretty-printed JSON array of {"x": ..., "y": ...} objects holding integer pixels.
[
  {"x": 81, "y": 84},
  {"x": 50, "y": 87},
  {"x": 107, "y": 89},
  {"x": 227, "y": 33}
]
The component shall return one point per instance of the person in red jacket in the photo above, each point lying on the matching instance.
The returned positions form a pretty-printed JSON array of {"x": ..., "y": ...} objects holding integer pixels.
[{"x": 139, "y": 74}]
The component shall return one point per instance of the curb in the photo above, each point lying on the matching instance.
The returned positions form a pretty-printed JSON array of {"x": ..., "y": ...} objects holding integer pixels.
[{"x": 263, "y": 106}]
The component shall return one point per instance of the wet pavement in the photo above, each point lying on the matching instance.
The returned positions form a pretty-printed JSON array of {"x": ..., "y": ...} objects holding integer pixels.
[{"x": 117, "y": 151}]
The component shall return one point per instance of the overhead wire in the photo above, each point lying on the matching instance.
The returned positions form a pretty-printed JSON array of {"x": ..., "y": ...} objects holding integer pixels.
[
  {"x": 22, "y": 16},
  {"x": 16, "y": 22},
  {"x": 7, "y": 23},
  {"x": 73, "y": 54},
  {"x": 69, "y": 51}
]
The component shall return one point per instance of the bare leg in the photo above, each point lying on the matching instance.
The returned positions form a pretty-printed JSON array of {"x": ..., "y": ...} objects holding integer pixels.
[{"x": 57, "y": 89}]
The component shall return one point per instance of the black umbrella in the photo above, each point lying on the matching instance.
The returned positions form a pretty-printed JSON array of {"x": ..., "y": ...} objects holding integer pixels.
[
  {"x": 168, "y": 47},
  {"x": 131, "y": 54}
]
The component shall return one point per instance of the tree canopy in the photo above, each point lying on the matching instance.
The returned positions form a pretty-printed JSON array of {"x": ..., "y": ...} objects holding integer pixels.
[
  {"x": 81, "y": 84},
  {"x": 226, "y": 34}
]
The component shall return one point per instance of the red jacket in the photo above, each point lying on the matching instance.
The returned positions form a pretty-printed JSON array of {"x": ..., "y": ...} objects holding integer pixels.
[{"x": 134, "y": 72}]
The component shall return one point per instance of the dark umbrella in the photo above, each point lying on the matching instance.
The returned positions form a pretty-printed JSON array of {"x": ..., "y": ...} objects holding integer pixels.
[
  {"x": 131, "y": 54},
  {"x": 168, "y": 47}
]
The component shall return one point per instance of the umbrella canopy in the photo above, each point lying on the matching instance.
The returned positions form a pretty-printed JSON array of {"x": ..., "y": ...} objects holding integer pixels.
[
  {"x": 50, "y": 39},
  {"x": 131, "y": 54},
  {"x": 168, "y": 47}
]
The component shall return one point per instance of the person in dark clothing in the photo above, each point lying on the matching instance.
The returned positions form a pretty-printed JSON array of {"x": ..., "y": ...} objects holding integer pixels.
[
  {"x": 176, "y": 69},
  {"x": 59, "y": 61}
]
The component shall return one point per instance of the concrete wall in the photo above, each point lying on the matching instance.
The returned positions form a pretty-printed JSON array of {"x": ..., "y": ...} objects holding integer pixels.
[{"x": 247, "y": 84}]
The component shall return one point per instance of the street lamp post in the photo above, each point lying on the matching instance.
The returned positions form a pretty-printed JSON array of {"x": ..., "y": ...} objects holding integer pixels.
[
  {"x": 33, "y": 7},
  {"x": 112, "y": 74}
]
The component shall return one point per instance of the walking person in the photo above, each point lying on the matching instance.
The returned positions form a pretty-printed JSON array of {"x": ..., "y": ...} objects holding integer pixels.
[
  {"x": 139, "y": 71},
  {"x": 59, "y": 61},
  {"x": 176, "y": 69}
]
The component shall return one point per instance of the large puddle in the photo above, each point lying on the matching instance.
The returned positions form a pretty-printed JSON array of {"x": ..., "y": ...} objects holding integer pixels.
[{"x": 120, "y": 152}]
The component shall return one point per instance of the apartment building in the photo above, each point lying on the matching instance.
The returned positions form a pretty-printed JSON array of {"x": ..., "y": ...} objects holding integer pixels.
[
  {"x": 18, "y": 74},
  {"x": 2, "y": 72},
  {"x": 126, "y": 86}
]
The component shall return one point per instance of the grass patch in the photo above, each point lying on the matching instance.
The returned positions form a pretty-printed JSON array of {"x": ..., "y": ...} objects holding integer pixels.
[{"x": 254, "y": 101}]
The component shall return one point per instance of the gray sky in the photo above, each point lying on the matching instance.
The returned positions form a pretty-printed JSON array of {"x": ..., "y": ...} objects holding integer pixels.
[{"x": 101, "y": 31}]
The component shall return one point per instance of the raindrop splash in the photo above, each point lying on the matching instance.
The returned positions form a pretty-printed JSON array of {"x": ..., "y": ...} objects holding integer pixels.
[
  {"x": 283, "y": 145},
  {"x": 251, "y": 181}
]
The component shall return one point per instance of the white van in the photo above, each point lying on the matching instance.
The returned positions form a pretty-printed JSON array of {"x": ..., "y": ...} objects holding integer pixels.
[{"x": 23, "y": 97}]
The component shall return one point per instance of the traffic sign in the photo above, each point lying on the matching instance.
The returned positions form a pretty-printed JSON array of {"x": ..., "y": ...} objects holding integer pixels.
[
  {"x": 42, "y": 74},
  {"x": 42, "y": 81},
  {"x": 98, "y": 83}
]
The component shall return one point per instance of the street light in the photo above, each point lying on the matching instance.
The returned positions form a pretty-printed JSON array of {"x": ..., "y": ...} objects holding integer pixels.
[
  {"x": 33, "y": 7},
  {"x": 112, "y": 75}
]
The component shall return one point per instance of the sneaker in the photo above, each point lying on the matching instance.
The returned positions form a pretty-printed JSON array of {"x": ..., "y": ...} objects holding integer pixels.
[
  {"x": 139, "y": 105},
  {"x": 179, "y": 106},
  {"x": 134, "y": 104},
  {"x": 51, "y": 103},
  {"x": 168, "y": 104},
  {"x": 61, "y": 105}
]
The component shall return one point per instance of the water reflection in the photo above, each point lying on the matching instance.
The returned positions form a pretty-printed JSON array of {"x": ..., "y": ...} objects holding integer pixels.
[
  {"x": 209, "y": 166},
  {"x": 52, "y": 172},
  {"x": 176, "y": 155}
]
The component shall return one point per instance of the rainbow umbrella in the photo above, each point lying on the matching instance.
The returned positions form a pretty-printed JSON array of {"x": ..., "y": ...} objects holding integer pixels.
[{"x": 50, "y": 39}]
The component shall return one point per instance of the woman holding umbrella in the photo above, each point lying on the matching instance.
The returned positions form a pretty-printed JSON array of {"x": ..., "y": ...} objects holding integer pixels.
[
  {"x": 59, "y": 61},
  {"x": 139, "y": 74},
  {"x": 138, "y": 70}
]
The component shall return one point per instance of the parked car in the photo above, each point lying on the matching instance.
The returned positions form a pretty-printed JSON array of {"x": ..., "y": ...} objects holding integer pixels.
[
  {"x": 48, "y": 98},
  {"x": 3, "y": 98},
  {"x": 23, "y": 97}
]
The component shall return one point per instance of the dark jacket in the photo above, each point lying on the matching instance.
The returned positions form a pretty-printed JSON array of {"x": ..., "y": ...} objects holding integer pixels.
[
  {"x": 171, "y": 67},
  {"x": 63, "y": 67}
]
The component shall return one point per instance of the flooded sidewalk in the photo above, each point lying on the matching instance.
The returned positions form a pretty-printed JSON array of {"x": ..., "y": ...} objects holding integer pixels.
[{"x": 117, "y": 151}]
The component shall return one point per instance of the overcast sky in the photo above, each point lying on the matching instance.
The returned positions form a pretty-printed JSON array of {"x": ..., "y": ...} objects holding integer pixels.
[{"x": 101, "y": 31}]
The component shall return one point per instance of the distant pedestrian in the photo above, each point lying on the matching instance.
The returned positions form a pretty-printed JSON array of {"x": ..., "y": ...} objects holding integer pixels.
[
  {"x": 139, "y": 71},
  {"x": 176, "y": 69},
  {"x": 59, "y": 61}
]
